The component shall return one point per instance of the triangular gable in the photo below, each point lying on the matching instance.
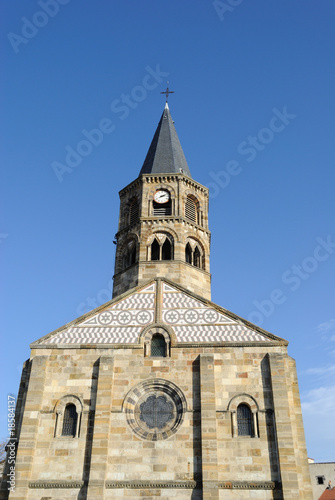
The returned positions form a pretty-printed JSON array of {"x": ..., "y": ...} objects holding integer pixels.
[
  {"x": 193, "y": 320},
  {"x": 117, "y": 322}
]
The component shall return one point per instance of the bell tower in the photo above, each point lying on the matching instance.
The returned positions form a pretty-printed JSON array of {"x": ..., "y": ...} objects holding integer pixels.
[{"x": 163, "y": 223}]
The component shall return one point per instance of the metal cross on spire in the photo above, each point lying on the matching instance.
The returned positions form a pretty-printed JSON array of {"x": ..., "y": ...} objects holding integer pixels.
[{"x": 167, "y": 92}]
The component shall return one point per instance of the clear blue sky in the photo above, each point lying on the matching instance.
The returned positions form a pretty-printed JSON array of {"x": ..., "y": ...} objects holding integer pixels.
[{"x": 254, "y": 111}]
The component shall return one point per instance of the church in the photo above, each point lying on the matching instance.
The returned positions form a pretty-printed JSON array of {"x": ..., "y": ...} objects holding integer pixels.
[{"x": 160, "y": 393}]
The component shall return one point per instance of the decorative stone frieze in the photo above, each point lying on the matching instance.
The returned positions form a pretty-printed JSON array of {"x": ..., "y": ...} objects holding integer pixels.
[{"x": 56, "y": 484}]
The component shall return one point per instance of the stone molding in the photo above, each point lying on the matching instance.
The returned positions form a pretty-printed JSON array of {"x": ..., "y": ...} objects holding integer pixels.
[
  {"x": 248, "y": 485},
  {"x": 191, "y": 484},
  {"x": 55, "y": 484},
  {"x": 151, "y": 484},
  {"x": 138, "y": 484},
  {"x": 179, "y": 345}
]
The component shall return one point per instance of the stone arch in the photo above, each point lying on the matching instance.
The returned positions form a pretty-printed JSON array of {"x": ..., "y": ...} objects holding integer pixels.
[
  {"x": 127, "y": 254},
  {"x": 195, "y": 253},
  {"x": 165, "y": 187},
  {"x": 194, "y": 236},
  {"x": 131, "y": 210},
  {"x": 161, "y": 228},
  {"x": 59, "y": 410},
  {"x": 160, "y": 246},
  {"x": 190, "y": 198},
  {"x": 157, "y": 329},
  {"x": 251, "y": 403}
]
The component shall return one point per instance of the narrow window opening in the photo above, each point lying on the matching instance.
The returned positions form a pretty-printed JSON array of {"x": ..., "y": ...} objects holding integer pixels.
[
  {"x": 134, "y": 212},
  {"x": 197, "y": 257},
  {"x": 132, "y": 256},
  {"x": 129, "y": 255},
  {"x": 158, "y": 346},
  {"x": 188, "y": 254},
  {"x": 166, "y": 250},
  {"x": 70, "y": 421},
  {"x": 155, "y": 250},
  {"x": 320, "y": 479},
  {"x": 244, "y": 421},
  {"x": 190, "y": 209}
]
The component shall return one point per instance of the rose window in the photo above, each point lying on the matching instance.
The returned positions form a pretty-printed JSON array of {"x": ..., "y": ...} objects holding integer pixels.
[
  {"x": 155, "y": 409},
  {"x": 156, "y": 412}
]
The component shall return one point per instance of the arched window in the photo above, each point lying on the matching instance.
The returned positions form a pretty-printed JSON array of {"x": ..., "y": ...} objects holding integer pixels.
[
  {"x": 129, "y": 255},
  {"x": 191, "y": 210},
  {"x": 161, "y": 247},
  {"x": 244, "y": 421},
  {"x": 134, "y": 211},
  {"x": 158, "y": 347},
  {"x": 194, "y": 254},
  {"x": 188, "y": 254},
  {"x": 70, "y": 421}
]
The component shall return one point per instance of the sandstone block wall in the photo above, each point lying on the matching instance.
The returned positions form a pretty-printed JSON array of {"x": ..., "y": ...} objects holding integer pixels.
[{"x": 205, "y": 447}]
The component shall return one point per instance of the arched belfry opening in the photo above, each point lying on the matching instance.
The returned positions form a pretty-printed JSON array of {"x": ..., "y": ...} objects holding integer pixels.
[
  {"x": 194, "y": 253},
  {"x": 160, "y": 247}
]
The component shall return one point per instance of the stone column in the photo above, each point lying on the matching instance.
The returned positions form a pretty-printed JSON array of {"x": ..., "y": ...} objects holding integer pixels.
[
  {"x": 102, "y": 428},
  {"x": 29, "y": 428},
  {"x": 284, "y": 414},
  {"x": 208, "y": 428},
  {"x": 254, "y": 416}
]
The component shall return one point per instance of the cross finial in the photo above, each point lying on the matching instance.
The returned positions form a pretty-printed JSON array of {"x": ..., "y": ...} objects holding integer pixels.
[{"x": 167, "y": 92}]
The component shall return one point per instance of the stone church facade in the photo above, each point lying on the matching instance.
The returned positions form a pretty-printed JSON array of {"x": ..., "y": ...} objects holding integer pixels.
[{"x": 160, "y": 392}]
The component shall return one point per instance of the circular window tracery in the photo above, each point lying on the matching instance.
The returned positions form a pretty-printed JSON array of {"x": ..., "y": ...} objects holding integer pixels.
[{"x": 155, "y": 409}]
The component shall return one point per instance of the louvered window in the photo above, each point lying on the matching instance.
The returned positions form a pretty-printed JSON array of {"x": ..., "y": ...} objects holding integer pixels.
[
  {"x": 162, "y": 209},
  {"x": 158, "y": 346},
  {"x": 134, "y": 212},
  {"x": 70, "y": 421},
  {"x": 244, "y": 421},
  {"x": 190, "y": 209}
]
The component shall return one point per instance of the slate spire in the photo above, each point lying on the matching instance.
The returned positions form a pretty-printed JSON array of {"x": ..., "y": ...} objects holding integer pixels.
[{"x": 165, "y": 154}]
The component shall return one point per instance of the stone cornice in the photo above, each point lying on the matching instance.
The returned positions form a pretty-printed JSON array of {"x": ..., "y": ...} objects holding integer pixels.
[
  {"x": 159, "y": 219},
  {"x": 168, "y": 177},
  {"x": 163, "y": 263},
  {"x": 179, "y": 345}
]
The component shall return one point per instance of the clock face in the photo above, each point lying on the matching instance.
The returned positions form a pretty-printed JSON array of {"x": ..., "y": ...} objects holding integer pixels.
[{"x": 161, "y": 196}]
